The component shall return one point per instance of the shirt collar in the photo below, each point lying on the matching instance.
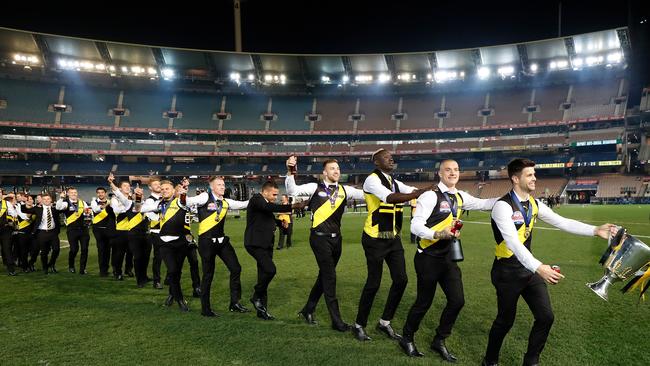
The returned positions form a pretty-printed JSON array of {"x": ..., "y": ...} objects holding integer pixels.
[
  {"x": 444, "y": 188},
  {"x": 520, "y": 198}
]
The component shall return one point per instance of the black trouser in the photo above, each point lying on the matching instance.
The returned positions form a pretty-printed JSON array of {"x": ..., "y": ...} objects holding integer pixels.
[
  {"x": 265, "y": 271},
  {"x": 25, "y": 240},
  {"x": 377, "y": 251},
  {"x": 141, "y": 249},
  {"x": 128, "y": 258},
  {"x": 103, "y": 239},
  {"x": 512, "y": 281},
  {"x": 154, "y": 242},
  {"x": 327, "y": 251},
  {"x": 48, "y": 240},
  {"x": 119, "y": 244},
  {"x": 285, "y": 233},
  {"x": 7, "y": 252},
  {"x": 78, "y": 237},
  {"x": 432, "y": 271},
  {"x": 209, "y": 248},
  {"x": 193, "y": 261},
  {"x": 173, "y": 254}
]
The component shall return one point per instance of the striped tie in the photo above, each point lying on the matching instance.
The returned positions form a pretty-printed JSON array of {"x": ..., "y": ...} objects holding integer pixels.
[{"x": 49, "y": 219}]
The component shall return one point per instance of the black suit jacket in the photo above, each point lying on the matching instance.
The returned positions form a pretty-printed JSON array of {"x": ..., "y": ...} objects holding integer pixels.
[
  {"x": 261, "y": 222},
  {"x": 38, "y": 211}
]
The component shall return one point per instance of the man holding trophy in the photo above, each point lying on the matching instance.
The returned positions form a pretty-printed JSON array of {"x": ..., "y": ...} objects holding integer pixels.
[{"x": 516, "y": 272}]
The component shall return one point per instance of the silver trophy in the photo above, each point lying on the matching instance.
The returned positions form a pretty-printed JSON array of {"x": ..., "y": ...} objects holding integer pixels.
[{"x": 627, "y": 255}]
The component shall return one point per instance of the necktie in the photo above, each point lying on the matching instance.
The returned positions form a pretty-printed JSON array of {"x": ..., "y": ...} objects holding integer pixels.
[{"x": 49, "y": 219}]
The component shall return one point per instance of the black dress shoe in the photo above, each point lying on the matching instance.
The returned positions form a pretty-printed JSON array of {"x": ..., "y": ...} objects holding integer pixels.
[
  {"x": 32, "y": 268},
  {"x": 53, "y": 270},
  {"x": 119, "y": 277},
  {"x": 196, "y": 292},
  {"x": 140, "y": 285},
  {"x": 71, "y": 270},
  {"x": 169, "y": 301},
  {"x": 11, "y": 273},
  {"x": 157, "y": 286},
  {"x": 410, "y": 349},
  {"x": 388, "y": 331},
  {"x": 307, "y": 317},
  {"x": 129, "y": 273},
  {"x": 360, "y": 334},
  {"x": 265, "y": 315},
  {"x": 209, "y": 313},
  {"x": 83, "y": 272},
  {"x": 486, "y": 363},
  {"x": 238, "y": 308},
  {"x": 182, "y": 305},
  {"x": 341, "y": 327},
  {"x": 438, "y": 345},
  {"x": 258, "y": 305}
]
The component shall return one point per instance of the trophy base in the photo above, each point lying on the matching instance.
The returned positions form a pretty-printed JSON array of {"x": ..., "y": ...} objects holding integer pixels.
[{"x": 600, "y": 288}]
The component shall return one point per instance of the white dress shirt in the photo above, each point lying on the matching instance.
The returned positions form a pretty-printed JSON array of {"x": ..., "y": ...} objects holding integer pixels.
[
  {"x": 120, "y": 202},
  {"x": 152, "y": 216},
  {"x": 20, "y": 214},
  {"x": 428, "y": 200},
  {"x": 152, "y": 206},
  {"x": 62, "y": 204},
  {"x": 202, "y": 199},
  {"x": 373, "y": 185},
  {"x": 502, "y": 215},
  {"x": 43, "y": 224},
  {"x": 95, "y": 206},
  {"x": 308, "y": 189}
]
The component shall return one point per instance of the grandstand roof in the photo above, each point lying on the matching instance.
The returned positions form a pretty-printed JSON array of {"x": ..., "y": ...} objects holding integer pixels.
[{"x": 58, "y": 53}]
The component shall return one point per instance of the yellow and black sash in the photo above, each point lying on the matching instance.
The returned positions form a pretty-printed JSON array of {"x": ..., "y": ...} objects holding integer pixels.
[
  {"x": 173, "y": 219},
  {"x": 122, "y": 222},
  {"x": 384, "y": 220},
  {"x": 72, "y": 217},
  {"x": 212, "y": 217},
  {"x": 327, "y": 207},
  {"x": 441, "y": 217},
  {"x": 525, "y": 233},
  {"x": 101, "y": 215},
  {"x": 3, "y": 212}
]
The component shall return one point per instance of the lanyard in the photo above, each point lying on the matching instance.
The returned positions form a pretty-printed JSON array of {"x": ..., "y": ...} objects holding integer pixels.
[
  {"x": 331, "y": 195},
  {"x": 528, "y": 213}
]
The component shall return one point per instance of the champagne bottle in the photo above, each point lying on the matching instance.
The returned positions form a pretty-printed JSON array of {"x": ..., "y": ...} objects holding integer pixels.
[{"x": 455, "y": 249}]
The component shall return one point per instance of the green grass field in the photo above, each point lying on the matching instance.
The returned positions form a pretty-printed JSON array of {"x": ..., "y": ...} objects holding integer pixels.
[{"x": 87, "y": 320}]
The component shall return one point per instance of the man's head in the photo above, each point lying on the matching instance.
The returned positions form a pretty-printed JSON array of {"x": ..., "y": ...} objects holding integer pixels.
[
  {"x": 449, "y": 172},
  {"x": 154, "y": 185},
  {"x": 125, "y": 187},
  {"x": 167, "y": 189},
  {"x": 101, "y": 193},
  {"x": 331, "y": 170},
  {"x": 522, "y": 174},
  {"x": 39, "y": 199},
  {"x": 46, "y": 200},
  {"x": 21, "y": 197},
  {"x": 270, "y": 191},
  {"x": 178, "y": 188},
  {"x": 383, "y": 160},
  {"x": 285, "y": 199},
  {"x": 72, "y": 194},
  {"x": 29, "y": 199},
  {"x": 217, "y": 186}
]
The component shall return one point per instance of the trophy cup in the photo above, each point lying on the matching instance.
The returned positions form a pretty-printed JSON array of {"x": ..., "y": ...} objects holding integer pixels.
[{"x": 627, "y": 255}]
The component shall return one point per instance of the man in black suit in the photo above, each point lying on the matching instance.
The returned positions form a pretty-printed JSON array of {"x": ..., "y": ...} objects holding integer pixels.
[
  {"x": 46, "y": 227},
  {"x": 259, "y": 239}
]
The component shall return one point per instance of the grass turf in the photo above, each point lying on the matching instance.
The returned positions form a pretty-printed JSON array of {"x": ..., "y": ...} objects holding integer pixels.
[{"x": 71, "y": 319}]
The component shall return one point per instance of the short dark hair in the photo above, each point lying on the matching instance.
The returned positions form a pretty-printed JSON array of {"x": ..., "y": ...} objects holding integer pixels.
[
  {"x": 516, "y": 166},
  {"x": 269, "y": 184},
  {"x": 329, "y": 161},
  {"x": 124, "y": 181},
  {"x": 70, "y": 188},
  {"x": 100, "y": 189}
]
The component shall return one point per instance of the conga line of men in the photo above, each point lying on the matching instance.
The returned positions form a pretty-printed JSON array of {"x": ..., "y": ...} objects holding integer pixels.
[{"x": 128, "y": 222}]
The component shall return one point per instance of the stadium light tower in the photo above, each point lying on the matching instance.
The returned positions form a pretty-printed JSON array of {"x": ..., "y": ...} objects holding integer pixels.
[{"x": 237, "y": 9}]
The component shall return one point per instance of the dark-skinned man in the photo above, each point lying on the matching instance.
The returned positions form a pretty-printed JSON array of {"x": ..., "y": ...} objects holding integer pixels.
[
  {"x": 259, "y": 240},
  {"x": 212, "y": 209},
  {"x": 76, "y": 227},
  {"x": 103, "y": 228},
  {"x": 381, "y": 242},
  {"x": 515, "y": 271},
  {"x": 436, "y": 213},
  {"x": 327, "y": 204}
]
